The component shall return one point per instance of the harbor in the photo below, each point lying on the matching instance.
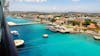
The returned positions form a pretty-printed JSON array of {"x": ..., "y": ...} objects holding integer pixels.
[
  {"x": 49, "y": 28},
  {"x": 52, "y": 36}
]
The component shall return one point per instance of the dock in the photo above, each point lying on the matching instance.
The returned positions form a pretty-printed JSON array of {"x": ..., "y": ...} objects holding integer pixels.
[
  {"x": 22, "y": 24},
  {"x": 14, "y": 24}
]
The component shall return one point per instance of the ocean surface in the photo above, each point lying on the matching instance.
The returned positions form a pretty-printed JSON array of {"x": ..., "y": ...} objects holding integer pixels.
[
  {"x": 17, "y": 20},
  {"x": 57, "y": 44}
]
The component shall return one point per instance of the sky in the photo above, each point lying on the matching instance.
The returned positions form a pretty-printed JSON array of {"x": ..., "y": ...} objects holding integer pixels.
[{"x": 55, "y": 5}]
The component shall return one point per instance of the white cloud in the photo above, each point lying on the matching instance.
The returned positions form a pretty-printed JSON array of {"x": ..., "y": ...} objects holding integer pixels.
[
  {"x": 54, "y": 8},
  {"x": 75, "y": 0},
  {"x": 31, "y": 1}
]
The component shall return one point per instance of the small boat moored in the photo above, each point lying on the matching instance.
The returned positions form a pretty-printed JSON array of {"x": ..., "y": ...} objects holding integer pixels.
[
  {"x": 14, "y": 32},
  {"x": 97, "y": 37},
  {"x": 18, "y": 42},
  {"x": 45, "y": 35}
]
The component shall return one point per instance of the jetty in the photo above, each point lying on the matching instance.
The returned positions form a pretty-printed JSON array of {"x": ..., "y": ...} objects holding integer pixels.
[
  {"x": 22, "y": 24},
  {"x": 14, "y": 24}
]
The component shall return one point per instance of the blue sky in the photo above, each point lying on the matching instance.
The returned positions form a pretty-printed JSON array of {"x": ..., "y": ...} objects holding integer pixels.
[{"x": 55, "y": 5}]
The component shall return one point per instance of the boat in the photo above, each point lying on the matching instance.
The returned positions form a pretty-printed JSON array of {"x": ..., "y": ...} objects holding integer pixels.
[
  {"x": 18, "y": 42},
  {"x": 62, "y": 31},
  {"x": 14, "y": 32},
  {"x": 97, "y": 37},
  {"x": 73, "y": 31},
  {"x": 47, "y": 27},
  {"x": 45, "y": 35},
  {"x": 52, "y": 29}
]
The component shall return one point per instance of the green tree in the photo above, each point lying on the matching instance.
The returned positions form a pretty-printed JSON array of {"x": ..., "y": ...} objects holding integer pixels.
[
  {"x": 94, "y": 22},
  {"x": 73, "y": 22},
  {"x": 87, "y": 22},
  {"x": 53, "y": 20}
]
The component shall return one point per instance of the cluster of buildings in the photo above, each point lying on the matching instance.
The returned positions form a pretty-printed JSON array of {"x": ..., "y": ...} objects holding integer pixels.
[{"x": 60, "y": 18}]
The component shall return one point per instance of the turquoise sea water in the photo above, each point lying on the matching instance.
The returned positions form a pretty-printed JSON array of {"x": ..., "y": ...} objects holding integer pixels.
[
  {"x": 56, "y": 44},
  {"x": 16, "y": 20}
]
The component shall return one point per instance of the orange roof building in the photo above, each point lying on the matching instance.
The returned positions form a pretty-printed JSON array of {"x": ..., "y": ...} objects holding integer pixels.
[{"x": 92, "y": 25}]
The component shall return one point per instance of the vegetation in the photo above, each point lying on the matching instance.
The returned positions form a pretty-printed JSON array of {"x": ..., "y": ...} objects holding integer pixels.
[
  {"x": 53, "y": 20},
  {"x": 94, "y": 22},
  {"x": 73, "y": 22},
  {"x": 88, "y": 21}
]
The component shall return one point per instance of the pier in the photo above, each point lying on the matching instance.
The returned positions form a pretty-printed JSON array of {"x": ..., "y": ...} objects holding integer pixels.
[
  {"x": 22, "y": 24},
  {"x": 14, "y": 24}
]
